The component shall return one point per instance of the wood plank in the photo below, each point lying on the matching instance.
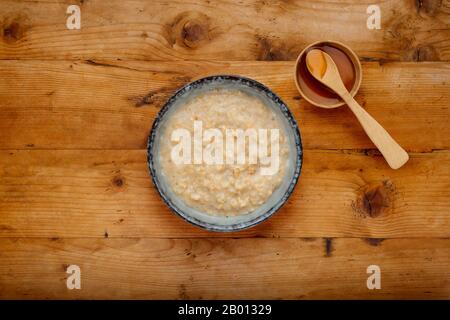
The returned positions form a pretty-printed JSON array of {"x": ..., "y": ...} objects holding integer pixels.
[
  {"x": 224, "y": 269},
  {"x": 221, "y": 30},
  {"x": 101, "y": 193},
  {"x": 111, "y": 105}
]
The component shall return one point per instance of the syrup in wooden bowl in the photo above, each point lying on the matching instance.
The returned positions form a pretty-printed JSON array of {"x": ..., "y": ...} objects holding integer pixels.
[{"x": 315, "y": 90}]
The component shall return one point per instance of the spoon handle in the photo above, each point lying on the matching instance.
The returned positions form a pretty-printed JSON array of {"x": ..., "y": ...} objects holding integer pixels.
[{"x": 394, "y": 154}]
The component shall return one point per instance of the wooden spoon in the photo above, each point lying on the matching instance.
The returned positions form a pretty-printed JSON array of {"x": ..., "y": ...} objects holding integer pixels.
[{"x": 323, "y": 68}]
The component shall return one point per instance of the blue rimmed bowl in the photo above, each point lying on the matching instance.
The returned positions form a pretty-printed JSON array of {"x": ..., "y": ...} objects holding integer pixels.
[{"x": 278, "y": 197}]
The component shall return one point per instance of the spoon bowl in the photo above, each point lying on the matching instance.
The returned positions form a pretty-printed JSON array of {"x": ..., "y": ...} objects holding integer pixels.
[{"x": 322, "y": 67}]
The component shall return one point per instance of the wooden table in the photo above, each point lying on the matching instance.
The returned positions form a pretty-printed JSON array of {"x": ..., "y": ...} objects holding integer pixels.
[{"x": 76, "y": 107}]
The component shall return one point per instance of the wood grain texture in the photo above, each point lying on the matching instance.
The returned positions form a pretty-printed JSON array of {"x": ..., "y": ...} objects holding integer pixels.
[
  {"x": 224, "y": 269},
  {"x": 100, "y": 193},
  {"x": 222, "y": 30},
  {"x": 76, "y": 108},
  {"x": 111, "y": 104}
]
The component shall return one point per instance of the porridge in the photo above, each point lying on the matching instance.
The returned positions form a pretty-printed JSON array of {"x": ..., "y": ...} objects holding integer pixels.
[{"x": 230, "y": 185}]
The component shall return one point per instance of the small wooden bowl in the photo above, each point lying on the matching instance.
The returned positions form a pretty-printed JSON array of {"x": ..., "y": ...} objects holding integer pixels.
[{"x": 356, "y": 64}]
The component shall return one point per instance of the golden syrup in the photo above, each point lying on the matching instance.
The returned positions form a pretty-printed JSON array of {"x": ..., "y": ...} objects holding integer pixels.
[{"x": 315, "y": 90}]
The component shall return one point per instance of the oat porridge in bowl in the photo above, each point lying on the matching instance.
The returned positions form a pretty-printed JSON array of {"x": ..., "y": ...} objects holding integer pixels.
[{"x": 224, "y": 153}]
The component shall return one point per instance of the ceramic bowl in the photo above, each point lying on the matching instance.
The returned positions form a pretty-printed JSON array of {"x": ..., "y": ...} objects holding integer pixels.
[{"x": 279, "y": 196}]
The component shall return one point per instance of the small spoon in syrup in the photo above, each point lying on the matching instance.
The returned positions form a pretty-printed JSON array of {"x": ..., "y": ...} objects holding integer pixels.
[{"x": 323, "y": 68}]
